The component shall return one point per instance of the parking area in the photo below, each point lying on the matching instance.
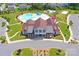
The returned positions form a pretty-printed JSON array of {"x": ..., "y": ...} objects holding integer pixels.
[{"x": 74, "y": 25}]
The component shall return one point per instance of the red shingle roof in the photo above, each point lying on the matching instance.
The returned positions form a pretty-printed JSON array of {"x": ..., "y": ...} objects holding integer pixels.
[{"x": 42, "y": 23}]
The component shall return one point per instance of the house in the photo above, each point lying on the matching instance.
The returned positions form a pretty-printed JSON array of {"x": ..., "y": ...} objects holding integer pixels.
[
  {"x": 58, "y": 4},
  {"x": 40, "y": 28},
  {"x": 2, "y": 7},
  {"x": 11, "y": 6},
  {"x": 23, "y": 6}
]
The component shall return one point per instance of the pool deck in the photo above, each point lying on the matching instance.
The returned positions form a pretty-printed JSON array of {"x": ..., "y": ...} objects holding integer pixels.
[{"x": 31, "y": 16}]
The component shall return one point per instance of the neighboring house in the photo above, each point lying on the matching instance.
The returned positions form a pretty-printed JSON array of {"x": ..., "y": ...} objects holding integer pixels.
[
  {"x": 2, "y": 7},
  {"x": 23, "y": 6},
  {"x": 58, "y": 4},
  {"x": 11, "y": 6},
  {"x": 40, "y": 28}
]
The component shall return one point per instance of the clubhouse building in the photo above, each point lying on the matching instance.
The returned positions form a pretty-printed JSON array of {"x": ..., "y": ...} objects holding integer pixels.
[{"x": 40, "y": 28}]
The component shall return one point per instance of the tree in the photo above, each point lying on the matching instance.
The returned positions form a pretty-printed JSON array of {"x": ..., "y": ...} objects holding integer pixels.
[
  {"x": 70, "y": 23},
  {"x": 59, "y": 50},
  {"x": 74, "y": 6},
  {"x": 3, "y": 41},
  {"x": 2, "y": 38},
  {"x": 67, "y": 26},
  {"x": 18, "y": 52},
  {"x": 8, "y": 19},
  {"x": 3, "y": 24},
  {"x": 38, "y": 6},
  {"x": 46, "y": 6}
]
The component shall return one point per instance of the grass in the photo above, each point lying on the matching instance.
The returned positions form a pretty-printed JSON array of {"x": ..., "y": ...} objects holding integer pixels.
[
  {"x": 73, "y": 11},
  {"x": 58, "y": 37},
  {"x": 13, "y": 29},
  {"x": 2, "y": 38},
  {"x": 61, "y": 17},
  {"x": 18, "y": 37},
  {"x": 11, "y": 17},
  {"x": 55, "y": 52},
  {"x": 63, "y": 25},
  {"x": 64, "y": 30},
  {"x": 24, "y": 52}
]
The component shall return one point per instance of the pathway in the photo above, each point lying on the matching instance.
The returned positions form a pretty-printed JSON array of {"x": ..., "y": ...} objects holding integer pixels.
[
  {"x": 7, "y": 37},
  {"x": 14, "y": 35},
  {"x": 62, "y": 35},
  {"x": 14, "y": 24}
]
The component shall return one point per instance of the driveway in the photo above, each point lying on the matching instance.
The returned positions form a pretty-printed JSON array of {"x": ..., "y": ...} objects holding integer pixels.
[{"x": 6, "y": 50}]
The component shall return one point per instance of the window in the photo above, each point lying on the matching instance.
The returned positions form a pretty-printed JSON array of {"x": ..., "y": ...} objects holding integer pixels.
[
  {"x": 36, "y": 30},
  {"x": 40, "y": 30},
  {"x": 43, "y": 30}
]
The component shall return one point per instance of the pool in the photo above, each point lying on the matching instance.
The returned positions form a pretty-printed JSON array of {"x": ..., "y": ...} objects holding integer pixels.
[{"x": 32, "y": 16}]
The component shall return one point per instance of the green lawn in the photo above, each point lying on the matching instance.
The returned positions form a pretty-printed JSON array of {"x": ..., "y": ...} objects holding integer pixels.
[
  {"x": 56, "y": 52},
  {"x": 63, "y": 26},
  {"x": 18, "y": 37},
  {"x": 11, "y": 17},
  {"x": 13, "y": 29},
  {"x": 58, "y": 37},
  {"x": 2, "y": 38},
  {"x": 73, "y": 11},
  {"x": 64, "y": 30},
  {"x": 24, "y": 52}
]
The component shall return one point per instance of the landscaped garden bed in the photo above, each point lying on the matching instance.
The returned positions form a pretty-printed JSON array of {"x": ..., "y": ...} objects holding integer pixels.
[
  {"x": 28, "y": 52},
  {"x": 23, "y": 52},
  {"x": 56, "y": 52}
]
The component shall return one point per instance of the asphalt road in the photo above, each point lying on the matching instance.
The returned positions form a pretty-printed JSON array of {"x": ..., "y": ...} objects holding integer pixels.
[
  {"x": 75, "y": 26},
  {"x": 6, "y": 50}
]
